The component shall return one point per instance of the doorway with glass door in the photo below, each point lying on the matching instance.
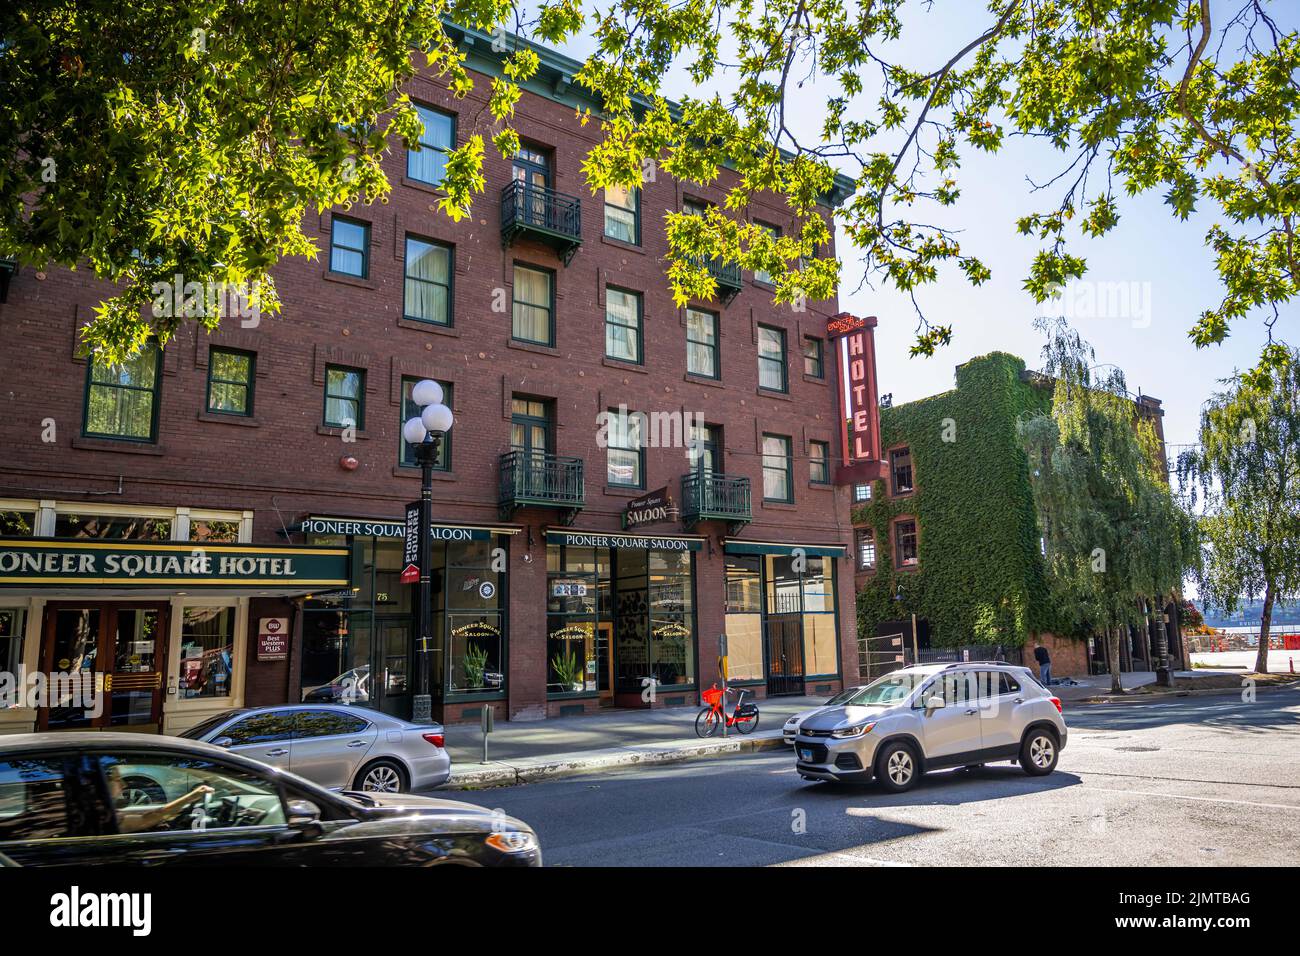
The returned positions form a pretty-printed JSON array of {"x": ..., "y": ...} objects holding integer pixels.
[
  {"x": 532, "y": 167},
  {"x": 117, "y": 648}
]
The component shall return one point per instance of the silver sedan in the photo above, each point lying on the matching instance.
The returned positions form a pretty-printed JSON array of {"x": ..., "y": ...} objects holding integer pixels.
[{"x": 344, "y": 748}]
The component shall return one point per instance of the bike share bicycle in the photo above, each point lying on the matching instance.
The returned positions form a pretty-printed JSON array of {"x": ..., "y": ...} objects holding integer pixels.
[{"x": 709, "y": 720}]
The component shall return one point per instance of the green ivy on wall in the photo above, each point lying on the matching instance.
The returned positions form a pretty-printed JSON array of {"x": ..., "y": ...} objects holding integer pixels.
[{"x": 980, "y": 577}]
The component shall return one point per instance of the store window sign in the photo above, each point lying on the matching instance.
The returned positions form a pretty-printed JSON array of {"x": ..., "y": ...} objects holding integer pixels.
[
  {"x": 560, "y": 588},
  {"x": 273, "y": 639}
]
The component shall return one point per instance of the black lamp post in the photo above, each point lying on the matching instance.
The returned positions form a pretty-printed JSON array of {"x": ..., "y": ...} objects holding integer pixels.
[{"x": 426, "y": 433}]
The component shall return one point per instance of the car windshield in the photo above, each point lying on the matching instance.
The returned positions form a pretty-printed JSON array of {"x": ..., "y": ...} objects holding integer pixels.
[
  {"x": 844, "y": 696},
  {"x": 202, "y": 729},
  {"x": 889, "y": 689}
]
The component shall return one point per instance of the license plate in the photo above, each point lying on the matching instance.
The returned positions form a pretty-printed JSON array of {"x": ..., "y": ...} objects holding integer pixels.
[{"x": 805, "y": 753}]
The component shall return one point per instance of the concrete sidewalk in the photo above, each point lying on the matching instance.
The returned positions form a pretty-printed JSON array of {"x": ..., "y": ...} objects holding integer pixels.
[
  {"x": 519, "y": 751},
  {"x": 1096, "y": 688}
]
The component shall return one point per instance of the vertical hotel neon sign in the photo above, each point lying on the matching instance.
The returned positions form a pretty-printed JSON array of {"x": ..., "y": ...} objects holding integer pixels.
[{"x": 855, "y": 341}]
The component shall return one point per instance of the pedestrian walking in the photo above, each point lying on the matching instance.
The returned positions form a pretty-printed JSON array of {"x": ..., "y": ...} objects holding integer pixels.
[{"x": 1044, "y": 664}]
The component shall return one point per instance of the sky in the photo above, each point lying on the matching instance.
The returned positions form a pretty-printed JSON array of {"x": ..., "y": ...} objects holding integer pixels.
[{"x": 1167, "y": 271}]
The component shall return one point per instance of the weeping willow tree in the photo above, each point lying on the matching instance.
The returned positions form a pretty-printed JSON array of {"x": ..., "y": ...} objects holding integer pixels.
[
  {"x": 1116, "y": 542},
  {"x": 1246, "y": 472}
]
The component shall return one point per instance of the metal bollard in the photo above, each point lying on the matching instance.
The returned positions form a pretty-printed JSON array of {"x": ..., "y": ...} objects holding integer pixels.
[{"x": 485, "y": 718}]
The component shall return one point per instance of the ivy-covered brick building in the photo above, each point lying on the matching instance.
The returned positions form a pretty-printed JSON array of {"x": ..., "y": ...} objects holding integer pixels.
[{"x": 950, "y": 533}]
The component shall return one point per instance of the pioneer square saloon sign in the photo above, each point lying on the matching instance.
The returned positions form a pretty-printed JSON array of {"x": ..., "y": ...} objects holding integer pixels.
[{"x": 652, "y": 508}]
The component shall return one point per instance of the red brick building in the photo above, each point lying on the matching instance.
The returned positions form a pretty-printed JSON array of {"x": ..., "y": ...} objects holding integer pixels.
[{"x": 273, "y": 448}]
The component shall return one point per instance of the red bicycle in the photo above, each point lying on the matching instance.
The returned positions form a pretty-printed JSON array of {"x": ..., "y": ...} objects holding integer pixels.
[{"x": 709, "y": 720}]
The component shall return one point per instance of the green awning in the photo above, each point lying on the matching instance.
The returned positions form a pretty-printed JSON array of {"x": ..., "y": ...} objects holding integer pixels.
[{"x": 784, "y": 549}]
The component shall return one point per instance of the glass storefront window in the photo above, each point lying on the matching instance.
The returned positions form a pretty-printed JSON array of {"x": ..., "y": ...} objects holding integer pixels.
[
  {"x": 17, "y": 524},
  {"x": 391, "y": 596},
  {"x": 573, "y": 602},
  {"x": 784, "y": 592},
  {"x": 744, "y": 618},
  {"x": 336, "y": 644},
  {"x": 203, "y": 530},
  {"x": 476, "y": 661},
  {"x": 116, "y": 527},
  {"x": 12, "y": 621},
  {"x": 475, "y": 617},
  {"x": 672, "y": 630},
  {"x": 206, "y": 663},
  {"x": 468, "y": 623}
]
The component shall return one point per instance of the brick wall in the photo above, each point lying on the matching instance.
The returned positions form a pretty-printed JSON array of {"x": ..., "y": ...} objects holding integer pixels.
[{"x": 281, "y": 463}]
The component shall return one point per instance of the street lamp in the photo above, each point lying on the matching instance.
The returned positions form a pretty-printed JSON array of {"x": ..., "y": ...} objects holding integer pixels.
[{"x": 425, "y": 432}]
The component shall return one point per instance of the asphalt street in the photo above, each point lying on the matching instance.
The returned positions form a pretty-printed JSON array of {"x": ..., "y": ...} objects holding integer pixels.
[{"x": 1198, "y": 781}]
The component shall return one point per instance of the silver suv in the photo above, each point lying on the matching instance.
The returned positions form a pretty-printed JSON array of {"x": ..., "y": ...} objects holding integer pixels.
[{"x": 930, "y": 717}]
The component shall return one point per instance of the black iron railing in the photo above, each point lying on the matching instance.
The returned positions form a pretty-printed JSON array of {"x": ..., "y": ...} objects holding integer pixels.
[
  {"x": 709, "y": 496},
  {"x": 538, "y": 479},
  {"x": 539, "y": 208}
]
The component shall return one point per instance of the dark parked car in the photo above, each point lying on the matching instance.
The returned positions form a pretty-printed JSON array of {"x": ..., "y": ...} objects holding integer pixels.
[{"x": 137, "y": 799}]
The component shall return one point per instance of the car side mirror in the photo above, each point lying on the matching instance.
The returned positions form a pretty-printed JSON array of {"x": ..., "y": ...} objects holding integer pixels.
[
  {"x": 223, "y": 742},
  {"x": 304, "y": 817},
  {"x": 934, "y": 703},
  {"x": 303, "y": 812}
]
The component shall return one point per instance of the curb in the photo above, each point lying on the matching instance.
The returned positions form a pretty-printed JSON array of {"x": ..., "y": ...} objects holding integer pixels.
[
  {"x": 530, "y": 770},
  {"x": 1163, "y": 695}
]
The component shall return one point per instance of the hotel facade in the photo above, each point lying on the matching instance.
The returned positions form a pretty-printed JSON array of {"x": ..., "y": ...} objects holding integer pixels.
[{"x": 220, "y": 523}]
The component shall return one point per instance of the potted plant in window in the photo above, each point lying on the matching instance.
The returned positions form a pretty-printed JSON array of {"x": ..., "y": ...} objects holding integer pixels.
[
  {"x": 475, "y": 665},
  {"x": 566, "y": 669}
]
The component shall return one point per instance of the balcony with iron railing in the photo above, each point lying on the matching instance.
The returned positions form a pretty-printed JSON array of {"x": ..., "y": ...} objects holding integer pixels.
[
  {"x": 726, "y": 275},
  {"x": 531, "y": 479},
  {"x": 540, "y": 213},
  {"x": 710, "y": 496}
]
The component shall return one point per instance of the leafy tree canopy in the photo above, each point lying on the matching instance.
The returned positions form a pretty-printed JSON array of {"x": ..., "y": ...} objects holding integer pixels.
[
  {"x": 1117, "y": 542},
  {"x": 1245, "y": 475},
  {"x": 192, "y": 136}
]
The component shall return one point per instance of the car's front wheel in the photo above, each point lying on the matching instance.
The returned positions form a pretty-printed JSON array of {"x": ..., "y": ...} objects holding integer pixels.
[
  {"x": 382, "y": 776},
  {"x": 1039, "y": 752},
  {"x": 897, "y": 768}
]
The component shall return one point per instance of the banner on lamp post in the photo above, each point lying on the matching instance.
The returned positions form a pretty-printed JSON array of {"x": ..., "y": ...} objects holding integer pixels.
[{"x": 411, "y": 545}]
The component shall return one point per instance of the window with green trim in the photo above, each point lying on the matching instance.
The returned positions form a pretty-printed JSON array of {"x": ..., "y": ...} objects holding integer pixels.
[
  {"x": 426, "y": 162},
  {"x": 776, "y": 468},
  {"x": 349, "y": 247},
  {"x": 702, "y": 343},
  {"x": 761, "y": 275},
  {"x": 427, "y": 294},
  {"x": 772, "y": 372},
  {"x": 623, "y": 214},
  {"x": 819, "y": 462},
  {"x": 624, "y": 452},
  {"x": 623, "y": 325},
  {"x": 122, "y": 401},
  {"x": 230, "y": 382},
  {"x": 345, "y": 390},
  {"x": 814, "y": 363},
  {"x": 405, "y": 450},
  {"x": 534, "y": 306}
]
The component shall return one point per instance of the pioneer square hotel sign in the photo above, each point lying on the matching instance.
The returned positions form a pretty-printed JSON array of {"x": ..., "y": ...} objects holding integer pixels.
[{"x": 28, "y": 561}]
